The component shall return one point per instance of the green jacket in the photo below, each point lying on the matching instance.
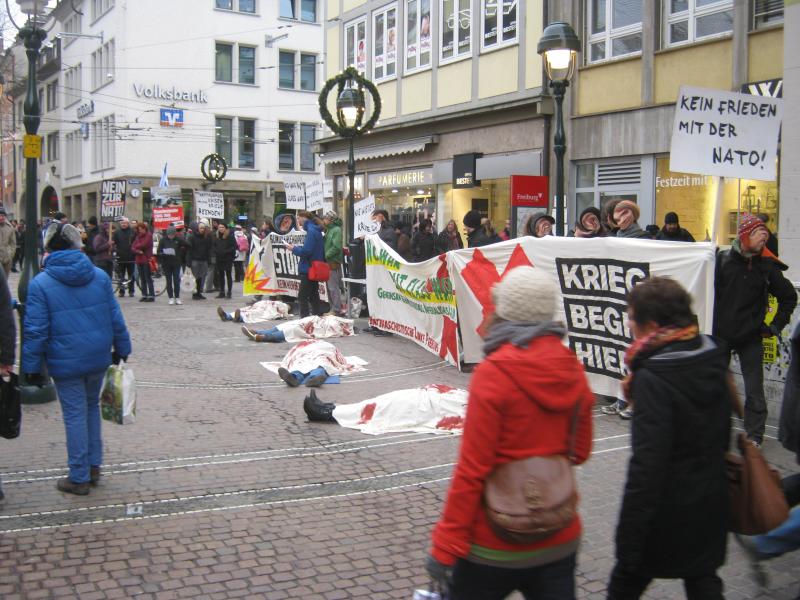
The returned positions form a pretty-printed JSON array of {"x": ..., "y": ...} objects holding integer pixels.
[{"x": 333, "y": 243}]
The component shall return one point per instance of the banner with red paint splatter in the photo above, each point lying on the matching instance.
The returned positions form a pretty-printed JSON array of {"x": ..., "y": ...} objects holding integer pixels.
[
  {"x": 272, "y": 269},
  {"x": 413, "y": 300}
]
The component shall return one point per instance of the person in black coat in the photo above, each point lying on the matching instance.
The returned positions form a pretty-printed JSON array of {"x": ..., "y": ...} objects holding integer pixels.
[
  {"x": 200, "y": 257},
  {"x": 224, "y": 245},
  {"x": 476, "y": 233},
  {"x": 674, "y": 517},
  {"x": 169, "y": 250},
  {"x": 672, "y": 230},
  {"x": 8, "y": 334},
  {"x": 121, "y": 239},
  {"x": 423, "y": 246}
]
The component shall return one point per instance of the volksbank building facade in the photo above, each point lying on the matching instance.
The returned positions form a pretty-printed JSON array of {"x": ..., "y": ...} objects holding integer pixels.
[{"x": 172, "y": 82}]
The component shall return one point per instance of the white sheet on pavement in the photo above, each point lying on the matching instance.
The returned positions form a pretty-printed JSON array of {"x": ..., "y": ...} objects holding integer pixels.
[
  {"x": 310, "y": 354},
  {"x": 317, "y": 328},
  {"x": 264, "y": 310}
]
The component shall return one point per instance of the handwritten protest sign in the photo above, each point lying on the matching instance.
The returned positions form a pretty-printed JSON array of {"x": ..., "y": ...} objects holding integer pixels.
[
  {"x": 295, "y": 189},
  {"x": 363, "y": 224},
  {"x": 725, "y": 134},
  {"x": 112, "y": 199},
  {"x": 314, "y": 194},
  {"x": 209, "y": 205}
]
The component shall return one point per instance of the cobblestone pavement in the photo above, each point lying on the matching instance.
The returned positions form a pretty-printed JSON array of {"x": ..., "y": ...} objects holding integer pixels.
[{"x": 221, "y": 489}]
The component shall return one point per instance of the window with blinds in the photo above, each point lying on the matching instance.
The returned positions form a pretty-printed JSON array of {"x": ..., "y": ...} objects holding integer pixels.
[{"x": 767, "y": 12}]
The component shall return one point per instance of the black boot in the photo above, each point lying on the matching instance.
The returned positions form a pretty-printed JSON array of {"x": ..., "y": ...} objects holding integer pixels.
[{"x": 318, "y": 411}]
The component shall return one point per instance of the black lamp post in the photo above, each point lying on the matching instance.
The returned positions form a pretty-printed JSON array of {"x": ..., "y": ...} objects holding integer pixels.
[
  {"x": 559, "y": 44},
  {"x": 33, "y": 36}
]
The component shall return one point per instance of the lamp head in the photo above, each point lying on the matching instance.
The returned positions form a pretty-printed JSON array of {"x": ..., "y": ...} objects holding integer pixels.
[
  {"x": 350, "y": 106},
  {"x": 32, "y": 7},
  {"x": 559, "y": 46}
]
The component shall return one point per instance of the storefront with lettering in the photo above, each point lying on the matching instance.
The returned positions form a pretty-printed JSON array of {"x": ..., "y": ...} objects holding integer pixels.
[{"x": 408, "y": 195}]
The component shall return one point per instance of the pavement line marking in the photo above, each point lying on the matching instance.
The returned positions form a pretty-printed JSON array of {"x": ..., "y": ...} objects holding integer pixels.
[
  {"x": 223, "y": 455},
  {"x": 743, "y": 431},
  {"x": 610, "y": 450},
  {"x": 222, "y": 494},
  {"x": 226, "y": 508}
]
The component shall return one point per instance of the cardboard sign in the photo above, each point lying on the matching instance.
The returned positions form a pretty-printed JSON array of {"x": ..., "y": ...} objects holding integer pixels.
[
  {"x": 725, "y": 134},
  {"x": 164, "y": 217},
  {"x": 315, "y": 194},
  {"x": 112, "y": 199},
  {"x": 295, "y": 189},
  {"x": 363, "y": 223},
  {"x": 529, "y": 190},
  {"x": 209, "y": 205}
]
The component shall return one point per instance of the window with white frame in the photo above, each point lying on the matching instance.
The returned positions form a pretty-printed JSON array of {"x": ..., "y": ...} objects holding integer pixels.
[
  {"x": 418, "y": 34},
  {"x": 355, "y": 44},
  {"x": 103, "y": 136},
  {"x": 73, "y": 81},
  {"x": 289, "y": 62},
  {"x": 767, "y": 12},
  {"x": 614, "y": 29},
  {"x": 307, "y": 135},
  {"x": 224, "y": 138},
  {"x": 238, "y": 151},
  {"x": 286, "y": 146},
  {"x": 101, "y": 7},
  {"x": 247, "y": 143},
  {"x": 694, "y": 20},
  {"x": 52, "y": 146},
  {"x": 52, "y": 96},
  {"x": 455, "y": 27},
  {"x": 245, "y": 6},
  {"x": 301, "y": 10},
  {"x": 103, "y": 65},
  {"x": 230, "y": 58},
  {"x": 295, "y": 150},
  {"x": 74, "y": 154},
  {"x": 384, "y": 42},
  {"x": 72, "y": 24},
  {"x": 499, "y": 20}
]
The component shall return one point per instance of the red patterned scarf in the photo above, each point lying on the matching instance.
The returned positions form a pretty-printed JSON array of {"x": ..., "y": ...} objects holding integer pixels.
[{"x": 649, "y": 344}]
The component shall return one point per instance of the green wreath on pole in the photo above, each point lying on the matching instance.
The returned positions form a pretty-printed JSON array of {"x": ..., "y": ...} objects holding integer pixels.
[{"x": 339, "y": 81}]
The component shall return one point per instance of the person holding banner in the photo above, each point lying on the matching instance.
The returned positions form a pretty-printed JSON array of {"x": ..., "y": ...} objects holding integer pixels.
[
  {"x": 626, "y": 217},
  {"x": 476, "y": 234},
  {"x": 313, "y": 249},
  {"x": 744, "y": 277}
]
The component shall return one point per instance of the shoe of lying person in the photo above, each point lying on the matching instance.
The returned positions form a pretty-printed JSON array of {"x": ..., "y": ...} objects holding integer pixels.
[
  {"x": 290, "y": 379},
  {"x": 318, "y": 411}
]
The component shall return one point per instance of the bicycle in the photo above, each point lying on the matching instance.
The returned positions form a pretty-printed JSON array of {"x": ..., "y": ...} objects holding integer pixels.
[{"x": 120, "y": 282}]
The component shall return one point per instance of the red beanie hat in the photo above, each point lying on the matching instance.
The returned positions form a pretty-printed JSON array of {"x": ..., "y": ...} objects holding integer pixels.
[{"x": 747, "y": 224}]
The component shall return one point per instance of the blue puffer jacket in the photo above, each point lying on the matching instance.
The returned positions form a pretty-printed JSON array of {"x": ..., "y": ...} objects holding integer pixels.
[
  {"x": 312, "y": 249},
  {"x": 72, "y": 319}
]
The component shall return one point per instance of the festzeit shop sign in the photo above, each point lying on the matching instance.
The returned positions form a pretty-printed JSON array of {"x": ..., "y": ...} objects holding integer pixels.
[
  {"x": 159, "y": 92},
  {"x": 725, "y": 134}
]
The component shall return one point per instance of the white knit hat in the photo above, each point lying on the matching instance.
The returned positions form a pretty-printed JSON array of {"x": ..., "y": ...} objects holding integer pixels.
[{"x": 525, "y": 294}]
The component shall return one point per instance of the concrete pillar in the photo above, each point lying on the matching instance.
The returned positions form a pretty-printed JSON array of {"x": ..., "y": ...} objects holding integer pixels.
[
  {"x": 789, "y": 218},
  {"x": 649, "y": 31},
  {"x": 741, "y": 26}
]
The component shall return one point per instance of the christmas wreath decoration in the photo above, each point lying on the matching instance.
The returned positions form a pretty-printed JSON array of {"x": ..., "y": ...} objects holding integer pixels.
[{"x": 361, "y": 83}]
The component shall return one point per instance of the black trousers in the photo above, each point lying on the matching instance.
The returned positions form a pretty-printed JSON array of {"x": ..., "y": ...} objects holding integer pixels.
[
  {"x": 173, "y": 276},
  {"x": 238, "y": 270},
  {"x": 125, "y": 270},
  {"x": 751, "y": 355},
  {"x": 223, "y": 272},
  {"x": 630, "y": 586},
  {"x": 308, "y": 294}
]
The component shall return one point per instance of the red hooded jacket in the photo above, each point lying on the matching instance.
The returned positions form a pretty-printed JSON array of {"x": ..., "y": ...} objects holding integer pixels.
[{"x": 521, "y": 403}]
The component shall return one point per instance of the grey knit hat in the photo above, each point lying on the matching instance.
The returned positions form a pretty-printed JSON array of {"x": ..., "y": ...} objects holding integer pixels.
[
  {"x": 69, "y": 239},
  {"x": 525, "y": 294},
  {"x": 330, "y": 215}
]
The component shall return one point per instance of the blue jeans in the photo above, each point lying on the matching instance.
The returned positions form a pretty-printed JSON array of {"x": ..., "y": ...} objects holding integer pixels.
[
  {"x": 784, "y": 538},
  {"x": 302, "y": 377},
  {"x": 80, "y": 405},
  {"x": 273, "y": 335}
]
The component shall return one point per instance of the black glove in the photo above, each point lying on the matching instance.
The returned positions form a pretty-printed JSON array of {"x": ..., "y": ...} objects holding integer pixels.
[
  {"x": 36, "y": 379},
  {"x": 440, "y": 573},
  {"x": 769, "y": 330},
  {"x": 116, "y": 358}
]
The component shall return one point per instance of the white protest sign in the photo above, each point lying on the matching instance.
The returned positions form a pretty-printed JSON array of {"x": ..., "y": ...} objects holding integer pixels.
[
  {"x": 295, "y": 189},
  {"x": 327, "y": 188},
  {"x": 725, "y": 134},
  {"x": 362, "y": 223},
  {"x": 314, "y": 194},
  {"x": 209, "y": 205}
]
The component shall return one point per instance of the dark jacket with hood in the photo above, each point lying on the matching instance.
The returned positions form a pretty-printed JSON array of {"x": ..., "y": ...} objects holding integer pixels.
[
  {"x": 200, "y": 247},
  {"x": 679, "y": 235},
  {"x": 388, "y": 235},
  {"x": 225, "y": 247},
  {"x": 334, "y": 252},
  {"x": 674, "y": 516},
  {"x": 72, "y": 318},
  {"x": 741, "y": 286},
  {"x": 312, "y": 249},
  {"x": 789, "y": 425},
  {"x": 478, "y": 237},
  {"x": 169, "y": 250},
  {"x": 8, "y": 331},
  {"x": 423, "y": 246},
  {"x": 123, "y": 238},
  {"x": 102, "y": 247}
]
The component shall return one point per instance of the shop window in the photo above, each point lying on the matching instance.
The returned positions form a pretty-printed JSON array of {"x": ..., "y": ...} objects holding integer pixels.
[
  {"x": 767, "y": 12},
  {"x": 614, "y": 29},
  {"x": 384, "y": 36},
  {"x": 418, "y": 34},
  {"x": 499, "y": 20},
  {"x": 597, "y": 183},
  {"x": 355, "y": 43},
  {"x": 694, "y": 20},
  {"x": 455, "y": 26},
  {"x": 490, "y": 198}
]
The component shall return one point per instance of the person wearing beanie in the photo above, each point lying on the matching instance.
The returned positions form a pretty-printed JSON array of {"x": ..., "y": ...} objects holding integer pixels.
[
  {"x": 168, "y": 254},
  {"x": 385, "y": 230},
  {"x": 744, "y": 277},
  {"x": 672, "y": 230},
  {"x": 525, "y": 398},
  {"x": 73, "y": 325},
  {"x": 476, "y": 234},
  {"x": 539, "y": 225},
  {"x": 334, "y": 256},
  {"x": 589, "y": 224},
  {"x": 772, "y": 240},
  {"x": 626, "y": 215}
]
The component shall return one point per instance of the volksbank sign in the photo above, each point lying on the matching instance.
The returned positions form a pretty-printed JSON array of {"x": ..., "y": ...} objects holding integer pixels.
[{"x": 169, "y": 93}]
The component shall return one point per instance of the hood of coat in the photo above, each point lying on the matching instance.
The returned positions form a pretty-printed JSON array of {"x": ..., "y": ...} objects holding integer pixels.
[
  {"x": 691, "y": 367},
  {"x": 70, "y": 267},
  {"x": 337, "y": 222},
  {"x": 311, "y": 227},
  {"x": 553, "y": 388}
]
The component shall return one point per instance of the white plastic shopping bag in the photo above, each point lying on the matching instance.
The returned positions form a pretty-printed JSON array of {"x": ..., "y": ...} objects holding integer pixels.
[
  {"x": 187, "y": 283},
  {"x": 118, "y": 395}
]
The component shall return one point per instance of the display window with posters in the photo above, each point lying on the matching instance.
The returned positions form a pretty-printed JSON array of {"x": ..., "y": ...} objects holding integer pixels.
[
  {"x": 408, "y": 195},
  {"x": 491, "y": 197}
]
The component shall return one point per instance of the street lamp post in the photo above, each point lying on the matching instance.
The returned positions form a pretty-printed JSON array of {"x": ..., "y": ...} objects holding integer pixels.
[
  {"x": 559, "y": 44},
  {"x": 349, "y": 122},
  {"x": 33, "y": 36}
]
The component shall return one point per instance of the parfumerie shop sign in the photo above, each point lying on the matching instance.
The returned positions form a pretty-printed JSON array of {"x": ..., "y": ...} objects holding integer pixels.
[
  {"x": 725, "y": 134},
  {"x": 159, "y": 92},
  {"x": 404, "y": 178}
]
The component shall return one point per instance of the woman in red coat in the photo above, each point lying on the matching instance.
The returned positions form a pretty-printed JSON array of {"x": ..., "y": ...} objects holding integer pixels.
[
  {"x": 523, "y": 398},
  {"x": 142, "y": 248}
]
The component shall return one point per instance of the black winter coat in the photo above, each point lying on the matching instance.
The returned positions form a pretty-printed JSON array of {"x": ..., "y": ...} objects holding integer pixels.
[
  {"x": 169, "y": 251},
  {"x": 8, "y": 330},
  {"x": 423, "y": 246},
  {"x": 123, "y": 238},
  {"x": 388, "y": 235},
  {"x": 224, "y": 248},
  {"x": 789, "y": 425},
  {"x": 741, "y": 286},
  {"x": 674, "y": 517},
  {"x": 478, "y": 237},
  {"x": 200, "y": 248},
  {"x": 679, "y": 236}
]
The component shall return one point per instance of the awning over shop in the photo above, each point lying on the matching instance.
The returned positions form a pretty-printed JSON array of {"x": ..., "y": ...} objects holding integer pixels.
[{"x": 380, "y": 150}]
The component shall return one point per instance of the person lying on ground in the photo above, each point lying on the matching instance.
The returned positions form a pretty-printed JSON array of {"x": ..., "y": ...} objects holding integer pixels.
[
  {"x": 262, "y": 310},
  {"x": 312, "y": 362},
  {"x": 311, "y": 327}
]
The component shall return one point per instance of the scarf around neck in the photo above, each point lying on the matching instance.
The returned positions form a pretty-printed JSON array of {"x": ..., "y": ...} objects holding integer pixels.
[{"x": 519, "y": 333}]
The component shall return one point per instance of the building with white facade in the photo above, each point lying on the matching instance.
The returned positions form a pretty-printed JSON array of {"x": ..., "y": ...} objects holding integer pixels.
[{"x": 149, "y": 83}]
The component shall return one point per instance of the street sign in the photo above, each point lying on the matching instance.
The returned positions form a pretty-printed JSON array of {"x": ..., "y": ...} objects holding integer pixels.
[{"x": 32, "y": 146}]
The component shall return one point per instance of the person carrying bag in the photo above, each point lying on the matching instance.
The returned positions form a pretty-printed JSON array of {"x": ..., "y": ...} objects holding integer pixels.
[{"x": 528, "y": 398}]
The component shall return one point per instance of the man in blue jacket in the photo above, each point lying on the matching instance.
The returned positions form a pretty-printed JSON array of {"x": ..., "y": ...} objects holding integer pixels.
[
  {"x": 74, "y": 325},
  {"x": 312, "y": 249}
]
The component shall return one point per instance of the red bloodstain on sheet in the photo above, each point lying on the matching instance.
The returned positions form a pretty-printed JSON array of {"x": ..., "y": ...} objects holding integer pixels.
[
  {"x": 442, "y": 389},
  {"x": 367, "y": 412},
  {"x": 450, "y": 423}
]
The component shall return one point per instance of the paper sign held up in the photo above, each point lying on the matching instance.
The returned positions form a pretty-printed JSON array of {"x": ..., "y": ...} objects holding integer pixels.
[{"x": 362, "y": 223}]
